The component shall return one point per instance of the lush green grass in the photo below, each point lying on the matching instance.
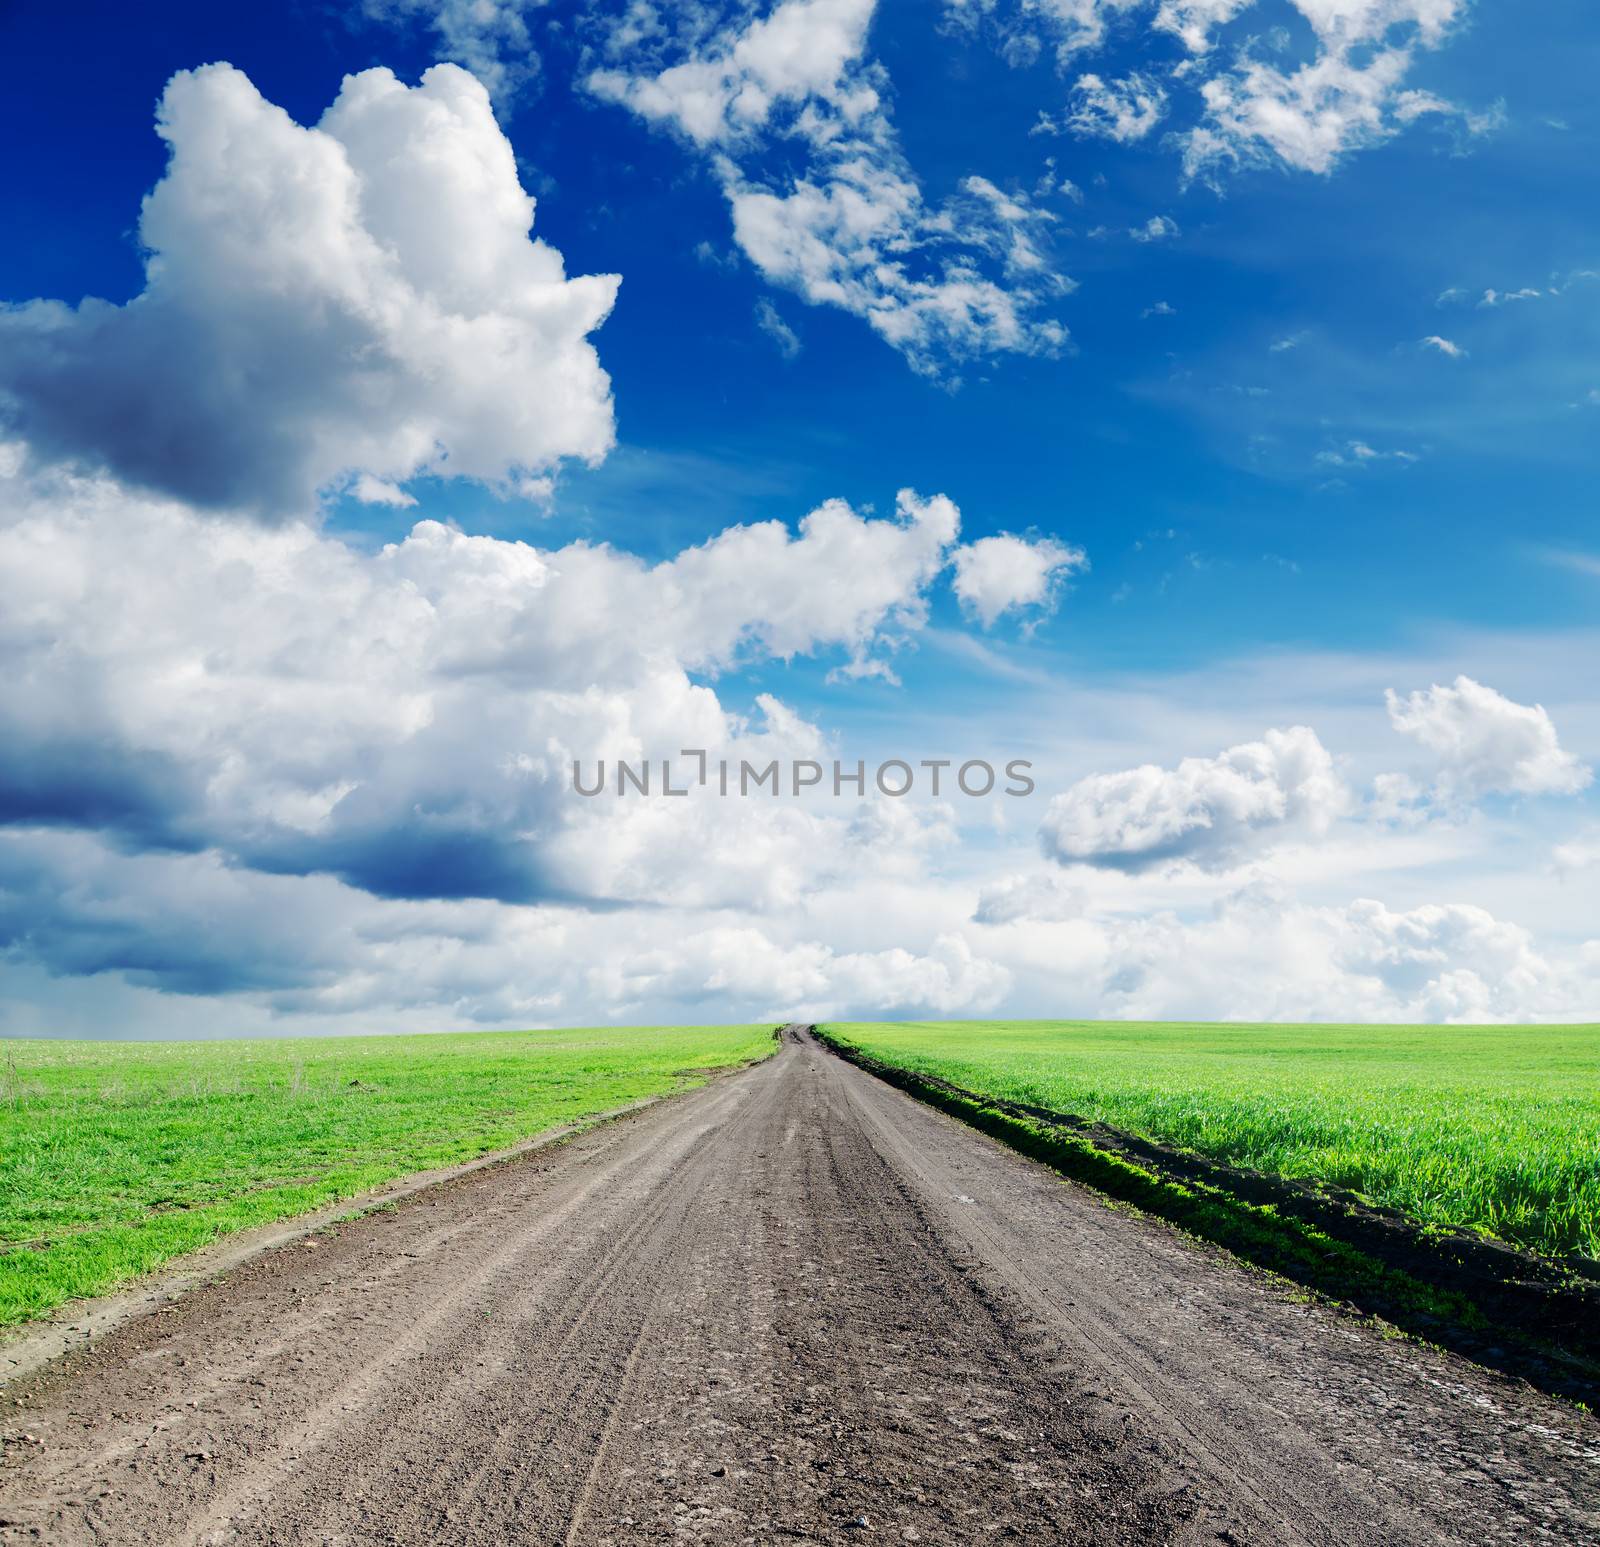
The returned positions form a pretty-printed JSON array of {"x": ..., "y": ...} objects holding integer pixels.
[
  {"x": 117, "y": 1156},
  {"x": 1492, "y": 1127}
]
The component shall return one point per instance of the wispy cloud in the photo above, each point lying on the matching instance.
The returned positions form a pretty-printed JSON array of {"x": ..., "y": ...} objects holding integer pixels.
[
  {"x": 1158, "y": 228},
  {"x": 986, "y": 657},
  {"x": 1574, "y": 559},
  {"x": 1123, "y": 110},
  {"x": 779, "y": 331},
  {"x": 1493, "y": 298},
  {"x": 1357, "y": 453}
]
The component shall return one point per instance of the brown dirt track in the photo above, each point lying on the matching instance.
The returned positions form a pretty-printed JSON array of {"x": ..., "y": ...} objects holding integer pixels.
[{"x": 791, "y": 1305}]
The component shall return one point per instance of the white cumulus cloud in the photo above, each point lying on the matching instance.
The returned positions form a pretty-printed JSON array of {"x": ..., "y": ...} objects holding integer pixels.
[
  {"x": 375, "y": 491},
  {"x": 1251, "y": 95},
  {"x": 1259, "y": 952},
  {"x": 357, "y": 297},
  {"x": 1262, "y": 955},
  {"x": 1211, "y": 812},
  {"x": 1453, "y": 962},
  {"x": 406, "y": 719},
  {"x": 1002, "y": 574},
  {"x": 144, "y": 928},
  {"x": 1485, "y": 743},
  {"x": 1349, "y": 94},
  {"x": 263, "y": 766},
  {"x": 849, "y": 226}
]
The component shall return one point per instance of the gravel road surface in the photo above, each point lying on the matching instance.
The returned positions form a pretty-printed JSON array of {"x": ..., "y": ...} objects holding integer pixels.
[{"x": 792, "y": 1305}]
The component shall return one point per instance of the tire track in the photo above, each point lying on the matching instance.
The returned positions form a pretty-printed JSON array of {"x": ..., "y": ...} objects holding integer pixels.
[{"x": 515, "y": 1289}]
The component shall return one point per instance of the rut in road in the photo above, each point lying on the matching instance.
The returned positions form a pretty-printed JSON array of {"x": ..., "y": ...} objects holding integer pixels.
[{"x": 791, "y": 1305}]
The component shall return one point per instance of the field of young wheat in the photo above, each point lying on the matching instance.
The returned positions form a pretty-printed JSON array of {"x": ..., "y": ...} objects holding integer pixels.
[{"x": 1492, "y": 1127}]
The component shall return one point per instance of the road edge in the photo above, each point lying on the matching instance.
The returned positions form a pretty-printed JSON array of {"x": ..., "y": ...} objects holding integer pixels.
[{"x": 1256, "y": 1235}]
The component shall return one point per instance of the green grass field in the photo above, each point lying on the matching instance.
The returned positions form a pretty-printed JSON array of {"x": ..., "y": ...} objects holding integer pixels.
[
  {"x": 115, "y": 1157},
  {"x": 1492, "y": 1127}
]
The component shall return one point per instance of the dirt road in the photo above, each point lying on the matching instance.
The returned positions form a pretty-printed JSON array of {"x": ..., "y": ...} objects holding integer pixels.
[{"x": 792, "y": 1305}]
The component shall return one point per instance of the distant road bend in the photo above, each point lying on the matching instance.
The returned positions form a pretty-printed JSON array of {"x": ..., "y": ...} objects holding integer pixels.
[{"x": 793, "y": 1305}]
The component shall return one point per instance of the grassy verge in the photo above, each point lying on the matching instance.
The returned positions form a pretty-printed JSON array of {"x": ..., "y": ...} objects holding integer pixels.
[{"x": 116, "y": 1157}]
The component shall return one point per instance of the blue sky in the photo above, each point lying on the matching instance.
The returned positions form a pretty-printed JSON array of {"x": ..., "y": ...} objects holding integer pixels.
[{"x": 1300, "y": 404}]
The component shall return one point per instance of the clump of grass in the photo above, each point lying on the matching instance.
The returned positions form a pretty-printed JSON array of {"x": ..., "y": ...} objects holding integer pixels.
[
  {"x": 115, "y": 1157},
  {"x": 1493, "y": 1128}
]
